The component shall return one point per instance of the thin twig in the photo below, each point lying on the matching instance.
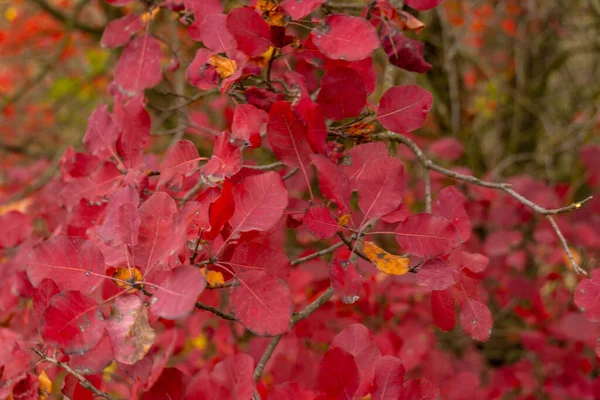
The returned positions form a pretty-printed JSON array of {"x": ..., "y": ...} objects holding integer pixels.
[
  {"x": 215, "y": 311},
  {"x": 323, "y": 252},
  {"x": 290, "y": 174},
  {"x": 82, "y": 380},
  {"x": 267, "y": 167},
  {"x": 427, "y": 180},
  {"x": 564, "y": 243},
  {"x": 191, "y": 192}
]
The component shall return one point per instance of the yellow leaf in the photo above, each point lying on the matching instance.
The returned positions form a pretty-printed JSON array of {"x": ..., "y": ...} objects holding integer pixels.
[
  {"x": 223, "y": 65},
  {"x": 199, "y": 342},
  {"x": 150, "y": 15},
  {"x": 45, "y": 388},
  {"x": 109, "y": 371},
  {"x": 389, "y": 263},
  {"x": 344, "y": 219},
  {"x": 213, "y": 278},
  {"x": 20, "y": 206},
  {"x": 271, "y": 12},
  {"x": 125, "y": 277},
  {"x": 10, "y": 14}
]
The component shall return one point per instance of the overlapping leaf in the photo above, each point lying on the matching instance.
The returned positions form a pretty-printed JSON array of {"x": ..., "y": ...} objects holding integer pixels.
[
  {"x": 403, "y": 109},
  {"x": 342, "y": 37}
]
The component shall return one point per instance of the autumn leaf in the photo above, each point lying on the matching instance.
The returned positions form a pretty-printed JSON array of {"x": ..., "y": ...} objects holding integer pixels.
[
  {"x": 125, "y": 277},
  {"x": 223, "y": 65},
  {"x": 389, "y": 263},
  {"x": 214, "y": 279},
  {"x": 45, "y": 388}
]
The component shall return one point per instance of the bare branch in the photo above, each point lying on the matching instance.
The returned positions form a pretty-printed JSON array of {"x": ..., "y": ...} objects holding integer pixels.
[
  {"x": 267, "y": 167},
  {"x": 215, "y": 311},
  {"x": 323, "y": 252},
  {"x": 427, "y": 180},
  {"x": 82, "y": 380},
  {"x": 564, "y": 243}
]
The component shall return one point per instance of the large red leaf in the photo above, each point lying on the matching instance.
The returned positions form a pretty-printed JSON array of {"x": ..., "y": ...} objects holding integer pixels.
[
  {"x": 181, "y": 160},
  {"x": 95, "y": 360},
  {"x": 103, "y": 182},
  {"x": 403, "y": 109},
  {"x": 128, "y": 226},
  {"x": 437, "y": 274},
  {"x": 342, "y": 37},
  {"x": 381, "y": 187},
  {"x": 176, "y": 296},
  {"x": 128, "y": 328},
  {"x": 343, "y": 93},
  {"x": 112, "y": 215},
  {"x": 15, "y": 227},
  {"x": 442, "y": 309},
  {"x": 72, "y": 263},
  {"x": 258, "y": 257},
  {"x": 587, "y": 296},
  {"x": 250, "y": 31},
  {"x": 135, "y": 131},
  {"x": 259, "y": 202},
  {"x": 249, "y": 124},
  {"x": 158, "y": 236},
  {"x": 338, "y": 376},
  {"x": 236, "y": 374},
  {"x": 345, "y": 280},
  {"x": 358, "y": 342},
  {"x": 262, "y": 302},
  {"x": 119, "y": 31},
  {"x": 226, "y": 159},
  {"x": 102, "y": 133},
  {"x": 360, "y": 158},
  {"x": 427, "y": 236},
  {"x": 423, "y": 5},
  {"x": 8, "y": 339},
  {"x": 139, "y": 65},
  {"x": 405, "y": 53},
  {"x": 389, "y": 376},
  {"x": 45, "y": 291},
  {"x": 299, "y": 9},
  {"x": 72, "y": 322},
  {"x": 450, "y": 204},
  {"x": 333, "y": 182},
  {"x": 476, "y": 319},
  {"x": 170, "y": 385},
  {"x": 320, "y": 223},
  {"x": 214, "y": 34},
  {"x": 203, "y": 387}
]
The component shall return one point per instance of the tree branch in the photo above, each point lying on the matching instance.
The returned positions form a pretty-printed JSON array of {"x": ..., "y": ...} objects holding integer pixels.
[
  {"x": 82, "y": 380},
  {"x": 323, "y": 252},
  {"x": 215, "y": 311}
]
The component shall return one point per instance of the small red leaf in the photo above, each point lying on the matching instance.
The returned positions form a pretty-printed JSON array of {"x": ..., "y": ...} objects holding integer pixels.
[
  {"x": 102, "y": 133},
  {"x": 333, "y": 182},
  {"x": 236, "y": 374},
  {"x": 405, "y": 53},
  {"x": 437, "y": 274},
  {"x": 320, "y": 223},
  {"x": 450, "y": 204},
  {"x": 181, "y": 160},
  {"x": 250, "y": 31},
  {"x": 345, "y": 280},
  {"x": 71, "y": 262},
  {"x": 72, "y": 322},
  {"x": 420, "y": 389},
  {"x": 139, "y": 65},
  {"x": 45, "y": 291},
  {"x": 442, "y": 309},
  {"x": 381, "y": 188},
  {"x": 15, "y": 227},
  {"x": 287, "y": 136},
  {"x": 403, "y": 109},
  {"x": 476, "y": 320},
  {"x": 427, "y": 236},
  {"x": 262, "y": 302},
  {"x": 135, "y": 131},
  {"x": 119, "y": 31},
  {"x": 258, "y": 257},
  {"x": 249, "y": 124},
  {"x": 259, "y": 202},
  {"x": 343, "y": 93},
  {"x": 176, "y": 296},
  {"x": 226, "y": 159},
  {"x": 214, "y": 34},
  {"x": 338, "y": 376},
  {"x": 389, "y": 376},
  {"x": 360, "y": 159},
  {"x": 299, "y": 9},
  {"x": 95, "y": 360},
  {"x": 128, "y": 226},
  {"x": 587, "y": 297},
  {"x": 423, "y": 5},
  {"x": 342, "y": 37},
  {"x": 199, "y": 73}
]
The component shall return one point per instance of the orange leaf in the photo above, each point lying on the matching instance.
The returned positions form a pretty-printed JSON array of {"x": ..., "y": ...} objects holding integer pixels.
[
  {"x": 223, "y": 65},
  {"x": 213, "y": 278},
  {"x": 271, "y": 13},
  {"x": 344, "y": 219},
  {"x": 389, "y": 263},
  {"x": 20, "y": 206},
  {"x": 127, "y": 277},
  {"x": 45, "y": 388}
]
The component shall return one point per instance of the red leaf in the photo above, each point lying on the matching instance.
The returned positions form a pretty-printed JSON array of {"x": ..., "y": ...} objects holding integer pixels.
[
  {"x": 259, "y": 202},
  {"x": 427, "y": 236},
  {"x": 360, "y": 158},
  {"x": 101, "y": 183},
  {"x": 403, "y": 109},
  {"x": 226, "y": 160},
  {"x": 169, "y": 386},
  {"x": 249, "y": 124},
  {"x": 398, "y": 215},
  {"x": 220, "y": 211},
  {"x": 342, "y": 37},
  {"x": 358, "y": 342},
  {"x": 128, "y": 328},
  {"x": 102, "y": 133},
  {"x": 202, "y": 8},
  {"x": 262, "y": 98},
  {"x": 135, "y": 124},
  {"x": 15, "y": 227},
  {"x": 139, "y": 65},
  {"x": 420, "y": 389},
  {"x": 389, "y": 376},
  {"x": 158, "y": 236},
  {"x": 450, "y": 204},
  {"x": 405, "y": 53},
  {"x": 333, "y": 182},
  {"x": 199, "y": 73},
  {"x": 473, "y": 261},
  {"x": 8, "y": 339},
  {"x": 442, "y": 309},
  {"x": 345, "y": 280},
  {"x": 447, "y": 148},
  {"x": 381, "y": 187},
  {"x": 214, "y": 34},
  {"x": 437, "y": 274},
  {"x": 71, "y": 262},
  {"x": 342, "y": 94},
  {"x": 262, "y": 303},
  {"x": 250, "y": 31},
  {"x": 95, "y": 360},
  {"x": 45, "y": 291},
  {"x": 320, "y": 223},
  {"x": 181, "y": 160},
  {"x": 423, "y": 5},
  {"x": 258, "y": 257},
  {"x": 338, "y": 375},
  {"x": 587, "y": 296},
  {"x": 119, "y": 31},
  {"x": 129, "y": 224},
  {"x": 476, "y": 319},
  {"x": 202, "y": 386},
  {"x": 291, "y": 390},
  {"x": 299, "y": 9},
  {"x": 236, "y": 374},
  {"x": 176, "y": 296},
  {"x": 72, "y": 322},
  {"x": 112, "y": 215}
]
